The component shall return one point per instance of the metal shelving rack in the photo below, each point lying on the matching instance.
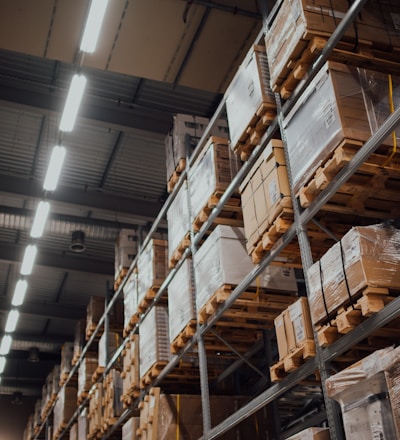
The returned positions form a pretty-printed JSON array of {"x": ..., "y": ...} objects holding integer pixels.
[{"x": 298, "y": 229}]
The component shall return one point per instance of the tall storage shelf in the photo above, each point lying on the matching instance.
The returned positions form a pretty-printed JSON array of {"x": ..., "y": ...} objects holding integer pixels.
[{"x": 298, "y": 232}]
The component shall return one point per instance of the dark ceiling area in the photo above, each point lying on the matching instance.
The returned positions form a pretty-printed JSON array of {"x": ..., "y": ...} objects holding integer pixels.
[{"x": 155, "y": 59}]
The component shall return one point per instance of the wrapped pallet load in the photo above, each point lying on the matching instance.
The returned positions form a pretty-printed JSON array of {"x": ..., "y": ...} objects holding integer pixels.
[
  {"x": 366, "y": 257},
  {"x": 222, "y": 260},
  {"x": 182, "y": 140},
  {"x": 250, "y": 103},
  {"x": 369, "y": 395},
  {"x": 340, "y": 109},
  {"x": 301, "y": 28}
]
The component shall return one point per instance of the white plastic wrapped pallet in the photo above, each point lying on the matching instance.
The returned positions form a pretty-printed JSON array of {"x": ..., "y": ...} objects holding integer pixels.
[
  {"x": 178, "y": 220},
  {"x": 130, "y": 291}
]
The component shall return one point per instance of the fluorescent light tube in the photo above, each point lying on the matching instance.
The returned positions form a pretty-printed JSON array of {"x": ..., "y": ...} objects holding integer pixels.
[
  {"x": 2, "y": 363},
  {"x": 19, "y": 293},
  {"x": 29, "y": 259},
  {"x": 54, "y": 169},
  {"x": 93, "y": 25},
  {"x": 12, "y": 321},
  {"x": 42, "y": 211},
  {"x": 5, "y": 344},
  {"x": 73, "y": 102}
]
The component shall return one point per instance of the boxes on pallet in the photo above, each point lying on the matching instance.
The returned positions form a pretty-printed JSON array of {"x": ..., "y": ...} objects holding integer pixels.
[
  {"x": 222, "y": 259},
  {"x": 297, "y": 21},
  {"x": 369, "y": 396},
  {"x": 73, "y": 433},
  {"x": 367, "y": 256},
  {"x": 56, "y": 380},
  {"x": 152, "y": 267},
  {"x": 178, "y": 223},
  {"x": 95, "y": 413},
  {"x": 79, "y": 339},
  {"x": 67, "y": 352},
  {"x": 211, "y": 173},
  {"x": 154, "y": 344},
  {"x": 64, "y": 409},
  {"x": 264, "y": 192},
  {"x": 341, "y": 103},
  {"x": 108, "y": 345},
  {"x": 112, "y": 404},
  {"x": 247, "y": 93},
  {"x": 130, "y": 370},
  {"x": 130, "y": 291},
  {"x": 86, "y": 369},
  {"x": 181, "y": 307},
  {"x": 312, "y": 434},
  {"x": 293, "y": 327},
  {"x": 95, "y": 310},
  {"x": 125, "y": 250},
  {"x": 184, "y": 136},
  {"x": 129, "y": 429}
]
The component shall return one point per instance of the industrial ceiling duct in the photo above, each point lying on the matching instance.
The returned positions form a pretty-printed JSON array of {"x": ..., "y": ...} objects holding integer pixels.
[{"x": 77, "y": 241}]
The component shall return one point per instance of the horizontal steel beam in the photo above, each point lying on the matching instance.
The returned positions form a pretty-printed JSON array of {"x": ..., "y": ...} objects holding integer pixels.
[
  {"x": 90, "y": 198},
  {"x": 13, "y": 254}
]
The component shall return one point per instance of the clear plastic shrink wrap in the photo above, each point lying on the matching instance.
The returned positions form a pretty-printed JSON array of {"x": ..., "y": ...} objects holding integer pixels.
[
  {"x": 365, "y": 256},
  {"x": 341, "y": 102},
  {"x": 369, "y": 396}
]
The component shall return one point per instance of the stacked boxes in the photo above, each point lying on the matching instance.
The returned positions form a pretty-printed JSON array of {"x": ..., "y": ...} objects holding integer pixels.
[
  {"x": 73, "y": 433},
  {"x": 129, "y": 429},
  {"x": 154, "y": 339},
  {"x": 64, "y": 409},
  {"x": 181, "y": 307},
  {"x": 211, "y": 174},
  {"x": 293, "y": 327},
  {"x": 183, "y": 138},
  {"x": 248, "y": 98},
  {"x": 125, "y": 251},
  {"x": 369, "y": 396},
  {"x": 108, "y": 345},
  {"x": 341, "y": 103},
  {"x": 112, "y": 404},
  {"x": 95, "y": 310},
  {"x": 222, "y": 259},
  {"x": 95, "y": 413},
  {"x": 79, "y": 339},
  {"x": 152, "y": 269},
  {"x": 130, "y": 291},
  {"x": 86, "y": 369},
  {"x": 298, "y": 21},
  {"x": 67, "y": 352},
  {"x": 130, "y": 370},
  {"x": 265, "y": 192},
  {"x": 365, "y": 257}
]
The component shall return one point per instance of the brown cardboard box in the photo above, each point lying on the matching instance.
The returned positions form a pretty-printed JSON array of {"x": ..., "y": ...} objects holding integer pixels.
[
  {"x": 366, "y": 256},
  {"x": 264, "y": 192},
  {"x": 281, "y": 336},
  {"x": 298, "y": 324}
]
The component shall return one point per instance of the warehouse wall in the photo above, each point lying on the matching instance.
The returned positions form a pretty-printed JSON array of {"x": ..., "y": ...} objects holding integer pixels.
[{"x": 13, "y": 418}]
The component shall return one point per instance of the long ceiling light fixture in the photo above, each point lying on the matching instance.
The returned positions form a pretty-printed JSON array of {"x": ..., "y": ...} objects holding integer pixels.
[
  {"x": 29, "y": 259},
  {"x": 12, "y": 320},
  {"x": 73, "y": 102},
  {"x": 42, "y": 212},
  {"x": 5, "y": 345},
  {"x": 93, "y": 25},
  {"x": 19, "y": 293},
  {"x": 54, "y": 168}
]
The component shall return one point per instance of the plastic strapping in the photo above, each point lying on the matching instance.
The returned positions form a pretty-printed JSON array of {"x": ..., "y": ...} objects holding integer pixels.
[
  {"x": 323, "y": 292},
  {"x": 345, "y": 275}
]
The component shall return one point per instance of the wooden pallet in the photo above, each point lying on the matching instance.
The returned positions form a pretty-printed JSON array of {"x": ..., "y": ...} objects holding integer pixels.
[
  {"x": 230, "y": 215},
  {"x": 254, "y": 308},
  {"x": 187, "y": 333},
  {"x": 133, "y": 320},
  {"x": 120, "y": 277},
  {"x": 152, "y": 374},
  {"x": 371, "y": 301},
  {"x": 147, "y": 300},
  {"x": 373, "y": 190},
  {"x": 293, "y": 360},
  {"x": 363, "y": 56},
  {"x": 176, "y": 255},
  {"x": 256, "y": 128},
  {"x": 173, "y": 180},
  {"x": 98, "y": 374}
]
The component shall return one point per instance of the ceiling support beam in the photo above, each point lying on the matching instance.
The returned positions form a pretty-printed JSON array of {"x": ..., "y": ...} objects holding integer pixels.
[{"x": 13, "y": 254}]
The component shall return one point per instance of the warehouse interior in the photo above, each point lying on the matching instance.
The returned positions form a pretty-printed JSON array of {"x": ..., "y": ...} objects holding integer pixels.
[{"x": 153, "y": 60}]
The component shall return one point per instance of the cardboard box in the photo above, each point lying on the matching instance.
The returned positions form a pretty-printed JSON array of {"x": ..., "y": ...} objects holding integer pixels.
[
  {"x": 129, "y": 429},
  {"x": 181, "y": 306},
  {"x": 211, "y": 173},
  {"x": 368, "y": 401},
  {"x": 264, "y": 193},
  {"x": 64, "y": 408},
  {"x": 222, "y": 259},
  {"x": 369, "y": 256},
  {"x": 312, "y": 434},
  {"x": 340, "y": 103},
  {"x": 298, "y": 20},
  {"x": 249, "y": 89},
  {"x": 130, "y": 291},
  {"x": 67, "y": 352},
  {"x": 86, "y": 369},
  {"x": 184, "y": 136},
  {"x": 125, "y": 250},
  {"x": 281, "y": 339},
  {"x": 108, "y": 345}
]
